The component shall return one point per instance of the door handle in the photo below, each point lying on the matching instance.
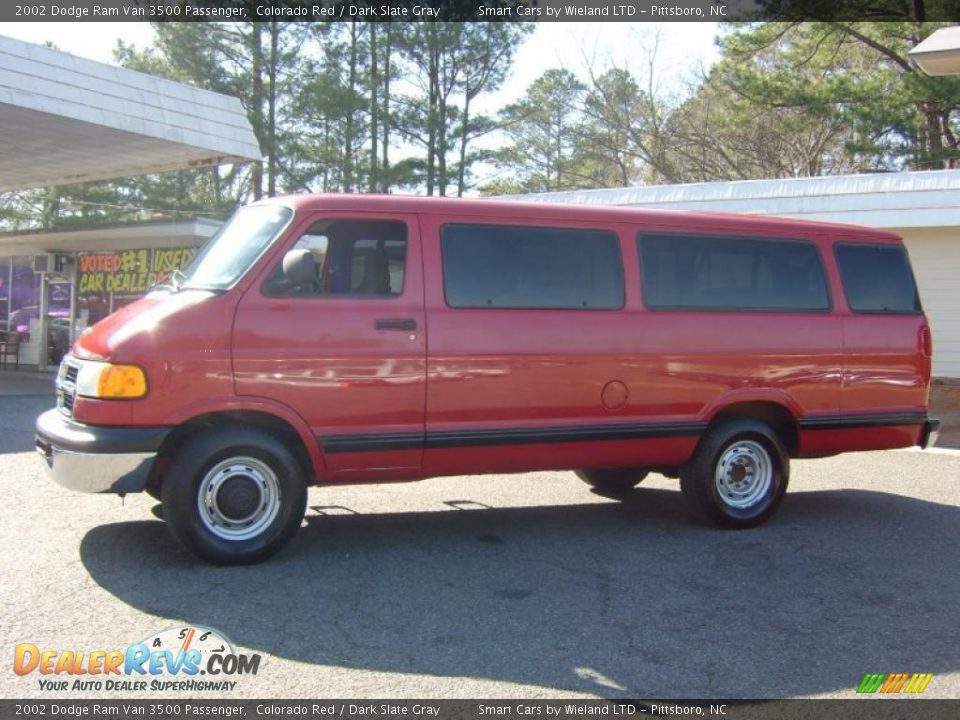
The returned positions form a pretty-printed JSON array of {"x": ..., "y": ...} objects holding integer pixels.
[{"x": 395, "y": 324}]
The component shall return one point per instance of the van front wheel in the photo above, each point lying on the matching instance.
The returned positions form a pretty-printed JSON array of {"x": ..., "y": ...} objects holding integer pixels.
[
  {"x": 738, "y": 474},
  {"x": 234, "y": 495},
  {"x": 612, "y": 480}
]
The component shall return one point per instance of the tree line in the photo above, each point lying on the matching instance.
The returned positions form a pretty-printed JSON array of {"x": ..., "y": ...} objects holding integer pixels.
[
  {"x": 393, "y": 107},
  {"x": 783, "y": 100}
]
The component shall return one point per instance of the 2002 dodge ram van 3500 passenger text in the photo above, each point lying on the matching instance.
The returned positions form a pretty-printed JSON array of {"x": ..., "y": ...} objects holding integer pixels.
[{"x": 361, "y": 339}]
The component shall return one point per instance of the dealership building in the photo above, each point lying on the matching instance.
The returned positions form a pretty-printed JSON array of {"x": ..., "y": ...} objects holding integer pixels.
[{"x": 65, "y": 120}]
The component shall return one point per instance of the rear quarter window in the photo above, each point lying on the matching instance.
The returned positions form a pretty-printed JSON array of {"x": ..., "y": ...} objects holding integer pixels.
[{"x": 877, "y": 278}]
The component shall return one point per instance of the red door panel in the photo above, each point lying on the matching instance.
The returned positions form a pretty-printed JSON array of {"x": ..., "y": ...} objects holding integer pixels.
[{"x": 354, "y": 367}]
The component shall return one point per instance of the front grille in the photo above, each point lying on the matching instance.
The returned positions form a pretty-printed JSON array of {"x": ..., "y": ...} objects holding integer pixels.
[
  {"x": 65, "y": 402},
  {"x": 67, "y": 386}
]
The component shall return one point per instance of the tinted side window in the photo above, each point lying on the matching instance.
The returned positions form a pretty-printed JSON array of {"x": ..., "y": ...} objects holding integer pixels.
[
  {"x": 493, "y": 266},
  {"x": 731, "y": 273},
  {"x": 352, "y": 257},
  {"x": 877, "y": 278}
]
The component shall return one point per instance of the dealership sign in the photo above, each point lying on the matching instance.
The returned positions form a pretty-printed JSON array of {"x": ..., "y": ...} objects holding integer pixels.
[{"x": 129, "y": 272}]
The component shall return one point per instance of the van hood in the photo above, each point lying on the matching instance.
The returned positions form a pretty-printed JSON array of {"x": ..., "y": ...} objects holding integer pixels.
[{"x": 146, "y": 325}]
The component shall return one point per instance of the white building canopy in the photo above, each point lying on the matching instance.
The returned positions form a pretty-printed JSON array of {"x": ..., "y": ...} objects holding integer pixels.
[
  {"x": 118, "y": 236},
  {"x": 65, "y": 119},
  {"x": 882, "y": 200}
]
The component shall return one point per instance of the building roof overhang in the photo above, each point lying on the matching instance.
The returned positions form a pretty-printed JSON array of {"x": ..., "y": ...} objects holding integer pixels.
[
  {"x": 121, "y": 236},
  {"x": 66, "y": 119},
  {"x": 880, "y": 200}
]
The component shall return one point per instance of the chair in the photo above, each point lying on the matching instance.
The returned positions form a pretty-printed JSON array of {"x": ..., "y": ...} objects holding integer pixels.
[
  {"x": 376, "y": 273},
  {"x": 10, "y": 347}
]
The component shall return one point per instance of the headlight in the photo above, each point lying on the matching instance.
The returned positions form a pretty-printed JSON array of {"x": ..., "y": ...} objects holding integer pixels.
[{"x": 108, "y": 381}]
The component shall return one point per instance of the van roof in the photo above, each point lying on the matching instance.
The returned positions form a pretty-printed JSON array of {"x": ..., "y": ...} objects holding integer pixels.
[{"x": 504, "y": 209}]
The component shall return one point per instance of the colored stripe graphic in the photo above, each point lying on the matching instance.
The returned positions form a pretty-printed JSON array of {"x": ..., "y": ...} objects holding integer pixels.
[
  {"x": 894, "y": 683},
  {"x": 918, "y": 682},
  {"x": 871, "y": 683}
]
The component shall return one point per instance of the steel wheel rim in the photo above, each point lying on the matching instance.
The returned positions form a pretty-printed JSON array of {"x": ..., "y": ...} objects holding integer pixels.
[
  {"x": 258, "y": 488},
  {"x": 744, "y": 474}
]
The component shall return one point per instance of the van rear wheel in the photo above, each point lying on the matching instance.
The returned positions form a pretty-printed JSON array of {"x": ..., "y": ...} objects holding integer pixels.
[
  {"x": 738, "y": 474},
  {"x": 612, "y": 480},
  {"x": 234, "y": 495}
]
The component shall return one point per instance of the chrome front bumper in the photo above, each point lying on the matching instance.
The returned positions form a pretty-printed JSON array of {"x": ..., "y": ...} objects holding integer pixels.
[{"x": 97, "y": 459}]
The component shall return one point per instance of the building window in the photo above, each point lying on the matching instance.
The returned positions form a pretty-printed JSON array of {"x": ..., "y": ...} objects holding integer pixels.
[
  {"x": 4, "y": 292},
  {"x": 24, "y": 297},
  {"x": 108, "y": 280}
]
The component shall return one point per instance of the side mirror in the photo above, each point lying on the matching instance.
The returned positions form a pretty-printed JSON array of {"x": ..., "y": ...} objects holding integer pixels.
[{"x": 299, "y": 268}]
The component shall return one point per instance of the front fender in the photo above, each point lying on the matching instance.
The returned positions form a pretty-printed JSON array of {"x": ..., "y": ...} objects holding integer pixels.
[{"x": 233, "y": 403}]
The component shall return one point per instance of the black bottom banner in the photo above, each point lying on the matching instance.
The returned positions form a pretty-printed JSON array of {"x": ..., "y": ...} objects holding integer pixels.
[{"x": 874, "y": 708}]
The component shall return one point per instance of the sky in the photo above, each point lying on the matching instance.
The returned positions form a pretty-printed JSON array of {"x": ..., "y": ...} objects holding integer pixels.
[
  {"x": 682, "y": 46},
  {"x": 682, "y": 49}
]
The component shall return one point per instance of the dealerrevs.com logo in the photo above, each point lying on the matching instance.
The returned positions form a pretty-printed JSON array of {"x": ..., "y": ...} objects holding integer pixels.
[{"x": 180, "y": 659}]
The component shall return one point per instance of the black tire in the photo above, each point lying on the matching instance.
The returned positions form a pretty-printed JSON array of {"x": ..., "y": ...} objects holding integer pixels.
[
  {"x": 732, "y": 497},
  {"x": 612, "y": 480},
  {"x": 263, "y": 477}
]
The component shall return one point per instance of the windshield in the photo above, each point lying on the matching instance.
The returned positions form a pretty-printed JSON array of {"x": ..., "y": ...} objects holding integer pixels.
[{"x": 236, "y": 246}]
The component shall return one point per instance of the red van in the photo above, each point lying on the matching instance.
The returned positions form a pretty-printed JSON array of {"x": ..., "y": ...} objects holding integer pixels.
[{"x": 357, "y": 339}]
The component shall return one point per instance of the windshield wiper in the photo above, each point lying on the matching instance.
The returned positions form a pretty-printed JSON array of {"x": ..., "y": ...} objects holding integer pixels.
[
  {"x": 177, "y": 278},
  {"x": 173, "y": 282}
]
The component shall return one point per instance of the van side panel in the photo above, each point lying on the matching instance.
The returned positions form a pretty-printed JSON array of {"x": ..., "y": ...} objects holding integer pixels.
[
  {"x": 886, "y": 380},
  {"x": 886, "y": 367},
  {"x": 884, "y": 370},
  {"x": 510, "y": 390},
  {"x": 885, "y": 376}
]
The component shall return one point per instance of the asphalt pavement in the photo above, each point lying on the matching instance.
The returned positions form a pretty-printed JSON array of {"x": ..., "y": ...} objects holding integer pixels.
[{"x": 509, "y": 586}]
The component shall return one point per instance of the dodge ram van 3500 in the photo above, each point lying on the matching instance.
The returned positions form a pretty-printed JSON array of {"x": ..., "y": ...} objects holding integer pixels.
[{"x": 362, "y": 339}]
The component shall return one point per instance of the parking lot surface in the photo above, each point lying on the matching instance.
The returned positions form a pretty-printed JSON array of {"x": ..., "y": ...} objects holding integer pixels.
[{"x": 510, "y": 586}]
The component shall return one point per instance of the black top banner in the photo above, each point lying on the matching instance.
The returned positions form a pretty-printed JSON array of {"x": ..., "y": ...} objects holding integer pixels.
[{"x": 480, "y": 10}]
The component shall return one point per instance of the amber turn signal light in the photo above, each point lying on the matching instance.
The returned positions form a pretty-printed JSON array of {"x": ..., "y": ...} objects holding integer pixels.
[{"x": 121, "y": 381}]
